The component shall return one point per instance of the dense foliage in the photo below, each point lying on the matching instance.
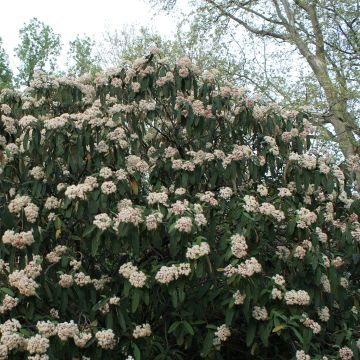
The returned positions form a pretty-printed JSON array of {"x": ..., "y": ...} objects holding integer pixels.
[{"x": 150, "y": 214}]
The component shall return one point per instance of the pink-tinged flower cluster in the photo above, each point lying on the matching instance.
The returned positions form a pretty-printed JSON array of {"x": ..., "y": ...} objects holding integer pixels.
[
  {"x": 18, "y": 240},
  {"x": 238, "y": 246}
]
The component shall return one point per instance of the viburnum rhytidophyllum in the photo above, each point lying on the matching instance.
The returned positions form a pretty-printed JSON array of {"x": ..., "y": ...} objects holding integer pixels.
[{"x": 150, "y": 211}]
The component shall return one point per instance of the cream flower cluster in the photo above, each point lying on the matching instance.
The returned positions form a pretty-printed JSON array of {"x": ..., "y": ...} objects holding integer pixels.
[
  {"x": 270, "y": 210},
  {"x": 17, "y": 204},
  {"x": 222, "y": 334},
  {"x": 300, "y": 297},
  {"x": 8, "y": 303},
  {"x": 305, "y": 218},
  {"x": 311, "y": 324},
  {"x": 324, "y": 313},
  {"x": 102, "y": 221},
  {"x": 127, "y": 214},
  {"x": 251, "y": 204},
  {"x": 130, "y": 272},
  {"x": 184, "y": 224},
  {"x": 246, "y": 269},
  {"x": 301, "y": 355},
  {"x": 197, "y": 251},
  {"x": 106, "y": 339},
  {"x": 157, "y": 198},
  {"x": 142, "y": 331},
  {"x": 260, "y": 313},
  {"x": 239, "y": 298},
  {"x": 167, "y": 274},
  {"x": 225, "y": 193},
  {"x": 55, "y": 255},
  {"x": 153, "y": 220}
]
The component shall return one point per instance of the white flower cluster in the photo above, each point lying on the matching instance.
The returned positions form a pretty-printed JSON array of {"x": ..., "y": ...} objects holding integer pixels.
[
  {"x": 17, "y": 204},
  {"x": 108, "y": 187},
  {"x": 55, "y": 255},
  {"x": 270, "y": 210},
  {"x": 167, "y": 274},
  {"x": 142, "y": 331},
  {"x": 18, "y": 240},
  {"x": 260, "y": 313},
  {"x": 305, "y": 218},
  {"x": 37, "y": 344},
  {"x": 106, "y": 339},
  {"x": 157, "y": 198},
  {"x": 301, "y": 355},
  {"x": 136, "y": 278},
  {"x": 23, "y": 282},
  {"x": 251, "y": 205},
  {"x": 197, "y": 251},
  {"x": 346, "y": 353},
  {"x": 66, "y": 280},
  {"x": 225, "y": 193},
  {"x": 222, "y": 334},
  {"x": 324, "y": 313},
  {"x": 37, "y": 172},
  {"x": 246, "y": 269},
  {"x": 239, "y": 298},
  {"x": 52, "y": 202},
  {"x": 102, "y": 221},
  {"x": 279, "y": 280},
  {"x": 179, "y": 207},
  {"x": 127, "y": 214},
  {"x": 134, "y": 163},
  {"x": 208, "y": 197},
  {"x": 300, "y": 297},
  {"x": 8, "y": 303},
  {"x": 274, "y": 149},
  {"x": 81, "y": 279},
  {"x": 184, "y": 224},
  {"x": 311, "y": 324},
  {"x": 238, "y": 246},
  {"x": 239, "y": 152},
  {"x": 153, "y": 220}
]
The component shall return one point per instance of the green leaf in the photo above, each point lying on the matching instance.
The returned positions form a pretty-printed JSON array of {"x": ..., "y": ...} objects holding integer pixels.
[
  {"x": 137, "y": 353},
  {"x": 188, "y": 327},
  {"x": 208, "y": 343},
  {"x": 250, "y": 334},
  {"x": 174, "y": 326},
  {"x": 135, "y": 301}
]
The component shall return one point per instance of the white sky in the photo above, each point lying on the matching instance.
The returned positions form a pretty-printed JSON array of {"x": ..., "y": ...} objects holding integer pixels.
[{"x": 72, "y": 17}]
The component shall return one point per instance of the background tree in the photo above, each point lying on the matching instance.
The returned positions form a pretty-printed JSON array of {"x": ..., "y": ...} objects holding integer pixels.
[
  {"x": 38, "y": 49},
  {"x": 81, "y": 59},
  {"x": 322, "y": 36},
  {"x": 5, "y": 72}
]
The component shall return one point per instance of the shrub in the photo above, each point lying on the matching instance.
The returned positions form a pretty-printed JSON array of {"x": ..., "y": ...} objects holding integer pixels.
[{"x": 150, "y": 213}]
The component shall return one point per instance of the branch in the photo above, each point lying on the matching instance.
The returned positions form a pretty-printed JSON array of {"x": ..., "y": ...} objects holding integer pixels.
[{"x": 252, "y": 29}]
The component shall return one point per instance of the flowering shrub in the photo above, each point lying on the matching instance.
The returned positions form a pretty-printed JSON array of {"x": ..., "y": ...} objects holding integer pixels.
[{"x": 151, "y": 214}]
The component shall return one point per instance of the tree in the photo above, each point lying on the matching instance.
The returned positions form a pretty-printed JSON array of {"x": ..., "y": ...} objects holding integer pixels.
[
  {"x": 325, "y": 34},
  {"x": 154, "y": 214},
  {"x": 38, "y": 50},
  {"x": 80, "y": 57},
  {"x": 5, "y": 72}
]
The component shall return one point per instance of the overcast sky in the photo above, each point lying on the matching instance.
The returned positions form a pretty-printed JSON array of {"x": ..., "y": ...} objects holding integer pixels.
[{"x": 72, "y": 17}]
